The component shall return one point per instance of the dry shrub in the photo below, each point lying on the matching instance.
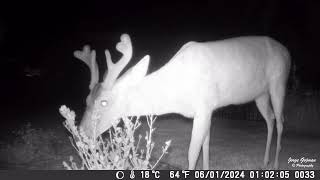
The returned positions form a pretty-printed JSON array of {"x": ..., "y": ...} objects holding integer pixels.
[{"x": 119, "y": 151}]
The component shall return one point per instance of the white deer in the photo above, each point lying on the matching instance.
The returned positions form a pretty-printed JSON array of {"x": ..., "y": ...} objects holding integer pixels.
[{"x": 200, "y": 78}]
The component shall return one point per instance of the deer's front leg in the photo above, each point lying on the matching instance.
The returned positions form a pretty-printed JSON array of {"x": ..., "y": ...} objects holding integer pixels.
[
  {"x": 205, "y": 151},
  {"x": 200, "y": 130}
]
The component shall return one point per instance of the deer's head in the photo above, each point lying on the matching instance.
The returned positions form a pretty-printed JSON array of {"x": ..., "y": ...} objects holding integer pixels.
[{"x": 106, "y": 102}]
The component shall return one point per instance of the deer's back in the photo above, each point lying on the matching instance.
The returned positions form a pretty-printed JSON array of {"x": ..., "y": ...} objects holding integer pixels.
[{"x": 224, "y": 72}]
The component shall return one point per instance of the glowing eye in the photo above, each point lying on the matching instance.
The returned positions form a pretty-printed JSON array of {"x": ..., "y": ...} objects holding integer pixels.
[{"x": 104, "y": 103}]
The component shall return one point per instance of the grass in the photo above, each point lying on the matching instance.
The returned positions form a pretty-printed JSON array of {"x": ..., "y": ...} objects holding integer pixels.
[
  {"x": 235, "y": 144},
  {"x": 31, "y": 148}
]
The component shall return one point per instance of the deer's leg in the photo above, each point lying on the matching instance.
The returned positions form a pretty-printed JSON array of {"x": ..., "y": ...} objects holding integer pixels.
[
  {"x": 277, "y": 92},
  {"x": 200, "y": 130},
  {"x": 205, "y": 151},
  {"x": 263, "y": 104},
  {"x": 279, "y": 132}
]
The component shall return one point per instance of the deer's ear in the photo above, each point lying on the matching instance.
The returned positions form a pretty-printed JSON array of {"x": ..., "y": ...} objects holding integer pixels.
[{"x": 135, "y": 74}]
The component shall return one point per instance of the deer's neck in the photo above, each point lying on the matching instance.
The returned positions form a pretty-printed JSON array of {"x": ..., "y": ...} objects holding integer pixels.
[{"x": 153, "y": 96}]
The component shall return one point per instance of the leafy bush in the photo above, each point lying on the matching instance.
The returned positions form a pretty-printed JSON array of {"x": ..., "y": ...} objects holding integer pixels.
[{"x": 118, "y": 151}]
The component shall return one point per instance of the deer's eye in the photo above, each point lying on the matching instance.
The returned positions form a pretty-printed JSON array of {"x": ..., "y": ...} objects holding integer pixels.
[{"x": 104, "y": 103}]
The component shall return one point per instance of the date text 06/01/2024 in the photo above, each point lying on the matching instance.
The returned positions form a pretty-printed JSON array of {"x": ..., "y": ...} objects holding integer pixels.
[{"x": 218, "y": 174}]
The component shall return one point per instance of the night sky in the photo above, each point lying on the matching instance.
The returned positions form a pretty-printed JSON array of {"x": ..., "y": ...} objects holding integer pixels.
[{"x": 40, "y": 37}]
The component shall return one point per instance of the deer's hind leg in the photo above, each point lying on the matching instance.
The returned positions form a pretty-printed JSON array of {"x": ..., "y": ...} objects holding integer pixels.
[
  {"x": 277, "y": 91},
  {"x": 264, "y": 106}
]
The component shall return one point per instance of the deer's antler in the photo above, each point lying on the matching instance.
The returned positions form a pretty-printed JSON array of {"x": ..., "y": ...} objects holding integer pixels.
[
  {"x": 114, "y": 69},
  {"x": 89, "y": 57}
]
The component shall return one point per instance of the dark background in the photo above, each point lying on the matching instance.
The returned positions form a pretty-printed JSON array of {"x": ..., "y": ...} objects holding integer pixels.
[{"x": 39, "y": 73}]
